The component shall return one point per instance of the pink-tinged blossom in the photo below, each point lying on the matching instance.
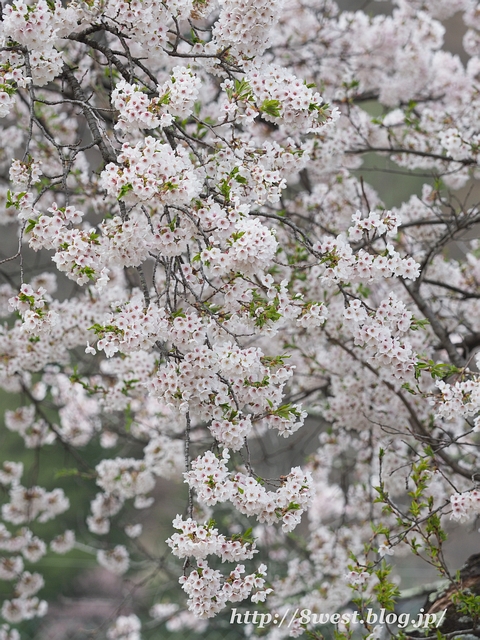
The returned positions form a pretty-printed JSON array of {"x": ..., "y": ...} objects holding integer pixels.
[
  {"x": 19, "y": 609},
  {"x": 209, "y": 594},
  {"x": 125, "y": 628},
  {"x": 29, "y": 584},
  {"x": 175, "y": 98},
  {"x": 7, "y": 633},
  {"x": 63, "y": 543},
  {"x": 115, "y": 560},
  {"x": 152, "y": 172}
]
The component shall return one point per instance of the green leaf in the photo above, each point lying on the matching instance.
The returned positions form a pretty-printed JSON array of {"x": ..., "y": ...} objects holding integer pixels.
[
  {"x": 18, "y": 196},
  {"x": 124, "y": 189},
  {"x": 418, "y": 324},
  {"x": 66, "y": 473},
  {"x": 87, "y": 271},
  {"x": 271, "y": 108},
  {"x": 31, "y": 225},
  {"x": 225, "y": 189},
  {"x": 242, "y": 91},
  {"x": 236, "y": 235}
]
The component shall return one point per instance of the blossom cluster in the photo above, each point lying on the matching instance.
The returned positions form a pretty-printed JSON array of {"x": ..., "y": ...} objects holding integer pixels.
[
  {"x": 341, "y": 263},
  {"x": 376, "y": 223},
  {"x": 380, "y": 335},
  {"x": 127, "y": 477},
  {"x": 283, "y": 98},
  {"x": 462, "y": 398},
  {"x": 250, "y": 248},
  {"x": 25, "y": 546},
  {"x": 151, "y": 171},
  {"x": 38, "y": 28},
  {"x": 176, "y": 97},
  {"x": 125, "y": 628},
  {"x": 209, "y": 593},
  {"x": 34, "y": 431},
  {"x": 210, "y": 478},
  {"x": 33, "y": 307},
  {"x": 200, "y": 541},
  {"x": 465, "y": 505},
  {"x": 115, "y": 560},
  {"x": 76, "y": 250},
  {"x": 279, "y": 97},
  {"x": 27, "y": 505},
  {"x": 24, "y": 173},
  {"x": 246, "y": 26},
  {"x": 227, "y": 386}
]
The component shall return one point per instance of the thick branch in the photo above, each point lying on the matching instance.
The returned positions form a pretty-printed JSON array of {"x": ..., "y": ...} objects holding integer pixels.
[
  {"x": 79, "y": 95},
  {"x": 437, "y": 327},
  {"x": 414, "y": 152}
]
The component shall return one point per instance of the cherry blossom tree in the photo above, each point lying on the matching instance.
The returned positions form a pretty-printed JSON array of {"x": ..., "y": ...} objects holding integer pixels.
[{"x": 194, "y": 169}]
